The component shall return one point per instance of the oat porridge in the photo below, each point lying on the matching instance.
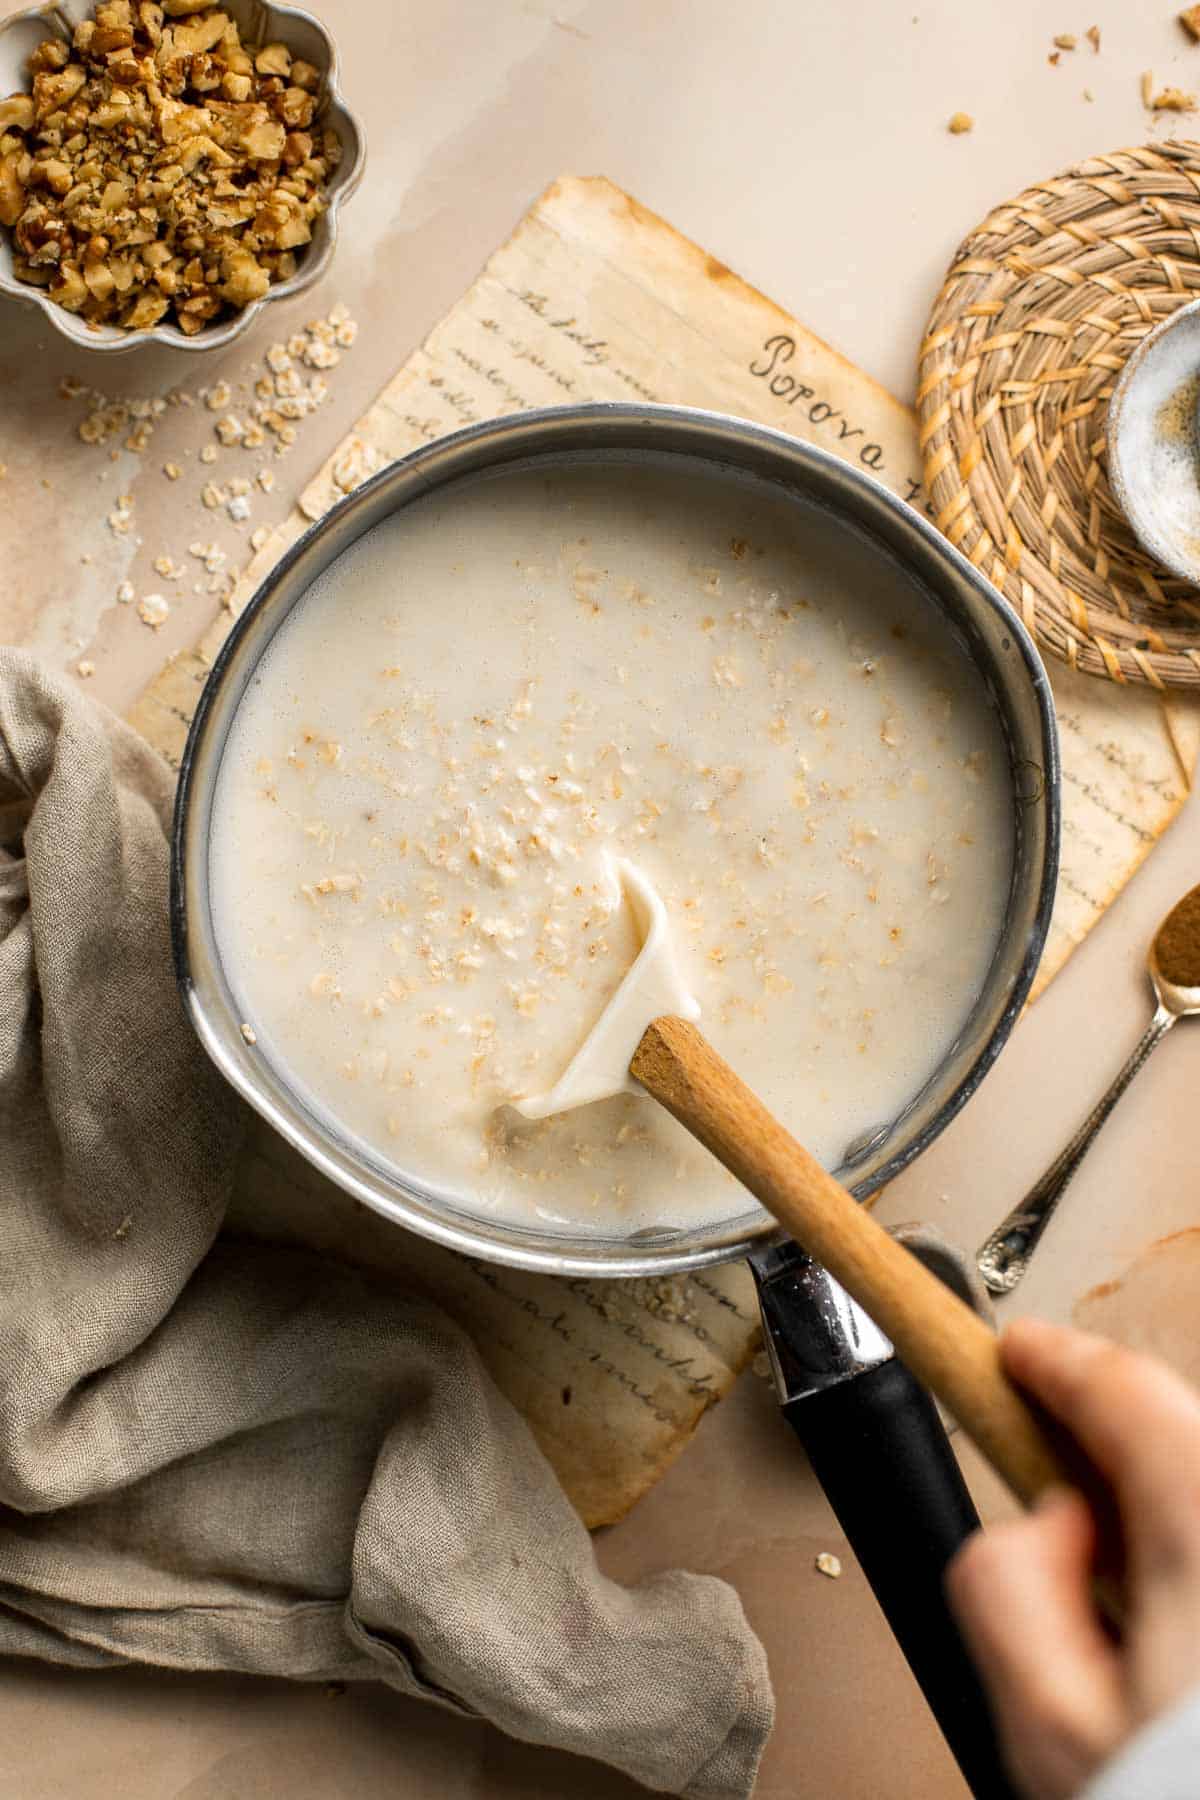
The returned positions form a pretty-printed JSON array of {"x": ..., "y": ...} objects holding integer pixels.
[{"x": 509, "y": 678}]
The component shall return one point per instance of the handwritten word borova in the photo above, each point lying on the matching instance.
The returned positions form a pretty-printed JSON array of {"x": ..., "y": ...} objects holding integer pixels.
[{"x": 769, "y": 365}]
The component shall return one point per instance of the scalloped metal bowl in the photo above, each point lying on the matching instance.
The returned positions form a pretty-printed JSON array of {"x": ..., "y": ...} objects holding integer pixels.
[{"x": 259, "y": 23}]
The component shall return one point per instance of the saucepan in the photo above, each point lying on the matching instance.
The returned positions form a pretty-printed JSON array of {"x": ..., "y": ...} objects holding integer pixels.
[{"x": 872, "y": 1434}]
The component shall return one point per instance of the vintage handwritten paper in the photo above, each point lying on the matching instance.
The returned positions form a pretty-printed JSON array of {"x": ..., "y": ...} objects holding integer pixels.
[{"x": 593, "y": 298}]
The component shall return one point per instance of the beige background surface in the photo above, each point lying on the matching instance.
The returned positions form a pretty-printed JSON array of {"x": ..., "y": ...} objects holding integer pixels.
[{"x": 804, "y": 145}]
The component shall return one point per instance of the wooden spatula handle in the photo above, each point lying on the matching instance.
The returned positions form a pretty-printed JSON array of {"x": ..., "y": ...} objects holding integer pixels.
[{"x": 943, "y": 1342}]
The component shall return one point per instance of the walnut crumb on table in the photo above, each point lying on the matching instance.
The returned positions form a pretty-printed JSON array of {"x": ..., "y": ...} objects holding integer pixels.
[
  {"x": 1189, "y": 18},
  {"x": 1172, "y": 99},
  {"x": 960, "y": 122}
]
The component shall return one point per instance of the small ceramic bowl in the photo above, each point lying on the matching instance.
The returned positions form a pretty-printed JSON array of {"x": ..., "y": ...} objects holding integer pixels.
[
  {"x": 1154, "y": 442},
  {"x": 259, "y": 22}
]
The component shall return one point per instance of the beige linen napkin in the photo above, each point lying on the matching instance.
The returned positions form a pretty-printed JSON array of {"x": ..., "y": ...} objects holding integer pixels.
[{"x": 215, "y": 1455}]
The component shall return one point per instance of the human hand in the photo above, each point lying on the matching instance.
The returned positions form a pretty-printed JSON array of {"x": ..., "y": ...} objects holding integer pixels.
[{"x": 1065, "y": 1696}]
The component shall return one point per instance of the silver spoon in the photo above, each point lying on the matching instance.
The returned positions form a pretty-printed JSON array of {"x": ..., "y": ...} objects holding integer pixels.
[{"x": 1174, "y": 966}]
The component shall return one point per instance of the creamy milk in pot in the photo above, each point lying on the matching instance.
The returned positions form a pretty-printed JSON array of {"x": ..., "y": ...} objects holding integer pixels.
[
  {"x": 516, "y": 674},
  {"x": 557, "y": 642}
]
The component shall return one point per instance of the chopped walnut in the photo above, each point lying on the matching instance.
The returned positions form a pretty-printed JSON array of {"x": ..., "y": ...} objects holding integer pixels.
[
  {"x": 960, "y": 122},
  {"x": 1190, "y": 20},
  {"x": 1172, "y": 99},
  {"x": 158, "y": 169}
]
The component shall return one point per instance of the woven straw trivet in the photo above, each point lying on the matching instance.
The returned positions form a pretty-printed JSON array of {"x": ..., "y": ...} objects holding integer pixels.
[{"x": 1032, "y": 327}]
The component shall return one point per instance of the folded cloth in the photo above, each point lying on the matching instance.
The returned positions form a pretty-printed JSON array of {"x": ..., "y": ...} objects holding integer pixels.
[{"x": 217, "y": 1455}]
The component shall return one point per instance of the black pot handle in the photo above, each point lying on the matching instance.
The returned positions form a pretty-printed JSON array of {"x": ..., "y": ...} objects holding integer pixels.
[{"x": 879, "y": 1450}]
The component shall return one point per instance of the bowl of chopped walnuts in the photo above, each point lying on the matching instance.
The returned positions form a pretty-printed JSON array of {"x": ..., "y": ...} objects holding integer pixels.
[{"x": 168, "y": 167}]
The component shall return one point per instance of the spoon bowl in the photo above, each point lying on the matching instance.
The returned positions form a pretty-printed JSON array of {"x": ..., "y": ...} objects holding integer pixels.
[
  {"x": 1173, "y": 964},
  {"x": 1174, "y": 960}
]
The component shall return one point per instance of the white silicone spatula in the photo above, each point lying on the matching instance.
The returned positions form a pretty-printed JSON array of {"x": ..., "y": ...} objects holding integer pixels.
[
  {"x": 652, "y": 988},
  {"x": 646, "y": 1040}
]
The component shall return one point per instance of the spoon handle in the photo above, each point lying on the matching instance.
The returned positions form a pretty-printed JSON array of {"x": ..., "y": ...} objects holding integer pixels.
[
  {"x": 944, "y": 1343},
  {"x": 1003, "y": 1258}
]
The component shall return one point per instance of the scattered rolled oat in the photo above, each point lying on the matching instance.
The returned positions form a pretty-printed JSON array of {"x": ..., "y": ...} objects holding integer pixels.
[
  {"x": 85, "y": 668},
  {"x": 354, "y": 465},
  {"x": 249, "y": 1033},
  {"x": 828, "y": 1564},
  {"x": 960, "y": 122},
  {"x": 1066, "y": 40},
  {"x": 262, "y": 421},
  {"x": 1092, "y": 34},
  {"x": 153, "y": 610}
]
